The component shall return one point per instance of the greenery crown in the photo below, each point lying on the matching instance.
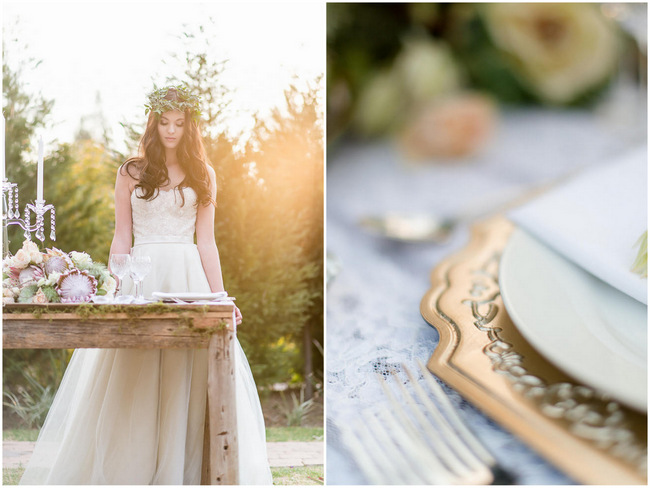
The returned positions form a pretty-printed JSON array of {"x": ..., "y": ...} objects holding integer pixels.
[{"x": 186, "y": 101}]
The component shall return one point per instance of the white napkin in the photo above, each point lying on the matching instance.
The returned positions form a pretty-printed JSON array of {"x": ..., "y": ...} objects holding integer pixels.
[
  {"x": 188, "y": 296},
  {"x": 595, "y": 220}
]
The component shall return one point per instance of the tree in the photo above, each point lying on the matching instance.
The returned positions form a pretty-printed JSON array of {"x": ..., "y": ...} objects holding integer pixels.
[
  {"x": 269, "y": 218},
  {"x": 24, "y": 115}
]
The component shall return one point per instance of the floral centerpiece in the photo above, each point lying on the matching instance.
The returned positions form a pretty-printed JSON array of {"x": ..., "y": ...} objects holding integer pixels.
[{"x": 53, "y": 276}]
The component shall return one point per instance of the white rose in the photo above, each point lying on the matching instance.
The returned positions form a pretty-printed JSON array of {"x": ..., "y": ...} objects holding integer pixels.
[
  {"x": 16, "y": 291},
  {"x": 553, "y": 45},
  {"x": 53, "y": 277},
  {"x": 39, "y": 297},
  {"x": 43, "y": 282},
  {"x": 21, "y": 259},
  {"x": 36, "y": 257},
  {"x": 7, "y": 292},
  {"x": 81, "y": 260},
  {"x": 8, "y": 300},
  {"x": 109, "y": 286},
  {"x": 7, "y": 263},
  {"x": 30, "y": 247}
]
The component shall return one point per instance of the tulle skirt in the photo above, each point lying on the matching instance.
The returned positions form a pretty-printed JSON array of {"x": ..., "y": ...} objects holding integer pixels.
[{"x": 132, "y": 416}]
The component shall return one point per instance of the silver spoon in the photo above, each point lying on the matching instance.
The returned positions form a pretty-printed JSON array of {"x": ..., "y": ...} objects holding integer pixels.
[
  {"x": 419, "y": 227},
  {"x": 410, "y": 228}
]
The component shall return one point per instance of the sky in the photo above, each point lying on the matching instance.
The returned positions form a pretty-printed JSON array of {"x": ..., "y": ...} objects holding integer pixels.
[{"x": 119, "y": 49}]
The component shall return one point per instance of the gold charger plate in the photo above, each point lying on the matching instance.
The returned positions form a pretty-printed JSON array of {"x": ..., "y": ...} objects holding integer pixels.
[{"x": 592, "y": 438}]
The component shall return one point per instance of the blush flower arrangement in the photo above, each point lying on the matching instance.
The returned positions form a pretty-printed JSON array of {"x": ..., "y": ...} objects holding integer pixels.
[{"x": 53, "y": 276}]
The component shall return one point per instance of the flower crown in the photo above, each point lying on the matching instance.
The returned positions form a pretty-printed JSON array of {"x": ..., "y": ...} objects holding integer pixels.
[{"x": 186, "y": 101}]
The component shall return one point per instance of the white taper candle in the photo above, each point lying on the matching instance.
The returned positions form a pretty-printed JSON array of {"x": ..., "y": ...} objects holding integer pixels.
[
  {"x": 39, "y": 187},
  {"x": 2, "y": 134}
]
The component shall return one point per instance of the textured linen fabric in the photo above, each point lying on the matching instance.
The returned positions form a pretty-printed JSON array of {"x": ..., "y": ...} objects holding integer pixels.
[
  {"x": 128, "y": 416},
  {"x": 373, "y": 303}
]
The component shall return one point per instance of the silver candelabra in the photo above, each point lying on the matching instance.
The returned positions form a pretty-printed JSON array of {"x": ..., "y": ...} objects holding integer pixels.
[{"x": 11, "y": 216}]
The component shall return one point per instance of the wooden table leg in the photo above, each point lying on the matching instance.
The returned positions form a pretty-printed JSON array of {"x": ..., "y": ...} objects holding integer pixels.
[
  {"x": 205, "y": 465},
  {"x": 224, "y": 447}
]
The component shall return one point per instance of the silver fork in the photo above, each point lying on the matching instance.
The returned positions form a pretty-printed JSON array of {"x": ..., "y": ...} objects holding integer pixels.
[{"x": 405, "y": 446}]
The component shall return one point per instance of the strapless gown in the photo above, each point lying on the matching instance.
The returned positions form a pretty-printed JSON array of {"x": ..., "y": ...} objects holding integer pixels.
[{"x": 128, "y": 416}]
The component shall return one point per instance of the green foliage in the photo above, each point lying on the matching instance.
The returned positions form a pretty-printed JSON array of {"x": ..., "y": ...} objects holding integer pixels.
[
  {"x": 269, "y": 228},
  {"x": 298, "y": 409},
  {"x": 294, "y": 434},
  {"x": 30, "y": 404},
  {"x": 27, "y": 293},
  {"x": 83, "y": 197},
  {"x": 159, "y": 104},
  {"x": 298, "y": 475},
  {"x": 30, "y": 379},
  {"x": 21, "y": 435},
  {"x": 11, "y": 476}
]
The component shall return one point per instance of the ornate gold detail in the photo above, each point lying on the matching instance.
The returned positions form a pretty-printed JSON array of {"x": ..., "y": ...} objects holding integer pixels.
[{"x": 587, "y": 414}]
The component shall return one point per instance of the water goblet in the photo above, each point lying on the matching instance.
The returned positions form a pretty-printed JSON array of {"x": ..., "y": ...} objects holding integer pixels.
[
  {"x": 140, "y": 267},
  {"x": 120, "y": 267}
]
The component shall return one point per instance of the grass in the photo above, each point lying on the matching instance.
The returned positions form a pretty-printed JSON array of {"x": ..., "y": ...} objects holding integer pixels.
[
  {"x": 286, "y": 434},
  {"x": 11, "y": 476},
  {"x": 20, "y": 435},
  {"x": 299, "y": 475}
]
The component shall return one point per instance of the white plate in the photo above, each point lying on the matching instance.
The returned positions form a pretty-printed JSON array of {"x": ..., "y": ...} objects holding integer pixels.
[
  {"x": 189, "y": 297},
  {"x": 585, "y": 327}
]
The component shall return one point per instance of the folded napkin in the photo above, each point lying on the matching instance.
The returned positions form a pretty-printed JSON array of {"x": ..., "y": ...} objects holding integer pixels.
[
  {"x": 596, "y": 219},
  {"x": 193, "y": 297}
]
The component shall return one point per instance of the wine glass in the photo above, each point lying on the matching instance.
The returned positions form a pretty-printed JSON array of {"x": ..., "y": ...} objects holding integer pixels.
[
  {"x": 140, "y": 267},
  {"x": 120, "y": 267}
]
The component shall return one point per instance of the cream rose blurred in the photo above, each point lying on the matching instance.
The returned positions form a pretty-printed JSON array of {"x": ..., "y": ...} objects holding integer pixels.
[
  {"x": 7, "y": 300},
  {"x": 21, "y": 259},
  {"x": 560, "y": 50},
  {"x": 109, "y": 285},
  {"x": 452, "y": 127}
]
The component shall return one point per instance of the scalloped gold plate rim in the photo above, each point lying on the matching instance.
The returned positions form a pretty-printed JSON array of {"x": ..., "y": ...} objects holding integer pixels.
[{"x": 482, "y": 355}]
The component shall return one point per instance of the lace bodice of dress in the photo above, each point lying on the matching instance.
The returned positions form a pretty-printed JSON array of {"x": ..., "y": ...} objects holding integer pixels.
[{"x": 165, "y": 215}]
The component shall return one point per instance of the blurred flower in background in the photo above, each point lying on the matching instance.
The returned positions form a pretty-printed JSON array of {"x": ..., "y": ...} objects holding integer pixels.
[{"x": 433, "y": 75}]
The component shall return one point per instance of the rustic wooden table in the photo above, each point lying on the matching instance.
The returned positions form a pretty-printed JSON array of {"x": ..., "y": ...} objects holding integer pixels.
[{"x": 152, "y": 326}]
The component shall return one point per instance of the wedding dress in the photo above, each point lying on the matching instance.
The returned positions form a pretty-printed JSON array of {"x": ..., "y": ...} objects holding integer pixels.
[{"x": 136, "y": 416}]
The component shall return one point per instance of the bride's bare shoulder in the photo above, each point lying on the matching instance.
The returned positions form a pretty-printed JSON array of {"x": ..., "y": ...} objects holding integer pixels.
[{"x": 129, "y": 173}]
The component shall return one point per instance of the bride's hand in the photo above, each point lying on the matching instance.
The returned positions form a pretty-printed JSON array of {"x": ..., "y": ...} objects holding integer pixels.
[{"x": 238, "y": 316}]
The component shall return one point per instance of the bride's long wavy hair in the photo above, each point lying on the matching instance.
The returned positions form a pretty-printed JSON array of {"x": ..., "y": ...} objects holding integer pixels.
[{"x": 149, "y": 166}]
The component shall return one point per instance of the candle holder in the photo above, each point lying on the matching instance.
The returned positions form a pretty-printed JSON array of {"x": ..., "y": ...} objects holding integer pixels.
[{"x": 11, "y": 216}]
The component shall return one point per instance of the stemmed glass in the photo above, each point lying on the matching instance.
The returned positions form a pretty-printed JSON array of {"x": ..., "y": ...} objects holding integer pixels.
[
  {"x": 140, "y": 267},
  {"x": 120, "y": 267}
]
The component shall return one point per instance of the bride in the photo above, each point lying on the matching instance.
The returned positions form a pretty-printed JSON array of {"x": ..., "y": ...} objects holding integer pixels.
[{"x": 128, "y": 416}]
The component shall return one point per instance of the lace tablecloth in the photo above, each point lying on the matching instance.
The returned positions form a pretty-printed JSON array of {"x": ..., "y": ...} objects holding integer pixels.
[{"x": 373, "y": 317}]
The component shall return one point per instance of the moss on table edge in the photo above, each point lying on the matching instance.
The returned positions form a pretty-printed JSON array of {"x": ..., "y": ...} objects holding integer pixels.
[{"x": 133, "y": 311}]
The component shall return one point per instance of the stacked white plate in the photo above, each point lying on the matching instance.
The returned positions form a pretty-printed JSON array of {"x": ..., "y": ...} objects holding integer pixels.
[{"x": 566, "y": 282}]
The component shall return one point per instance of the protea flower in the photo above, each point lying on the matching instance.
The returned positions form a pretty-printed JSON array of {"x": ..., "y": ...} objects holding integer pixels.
[
  {"x": 55, "y": 264},
  {"x": 77, "y": 286},
  {"x": 29, "y": 274}
]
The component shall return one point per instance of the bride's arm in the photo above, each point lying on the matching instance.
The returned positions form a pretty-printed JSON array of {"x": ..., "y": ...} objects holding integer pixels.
[
  {"x": 206, "y": 244},
  {"x": 205, "y": 239},
  {"x": 123, "y": 225}
]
